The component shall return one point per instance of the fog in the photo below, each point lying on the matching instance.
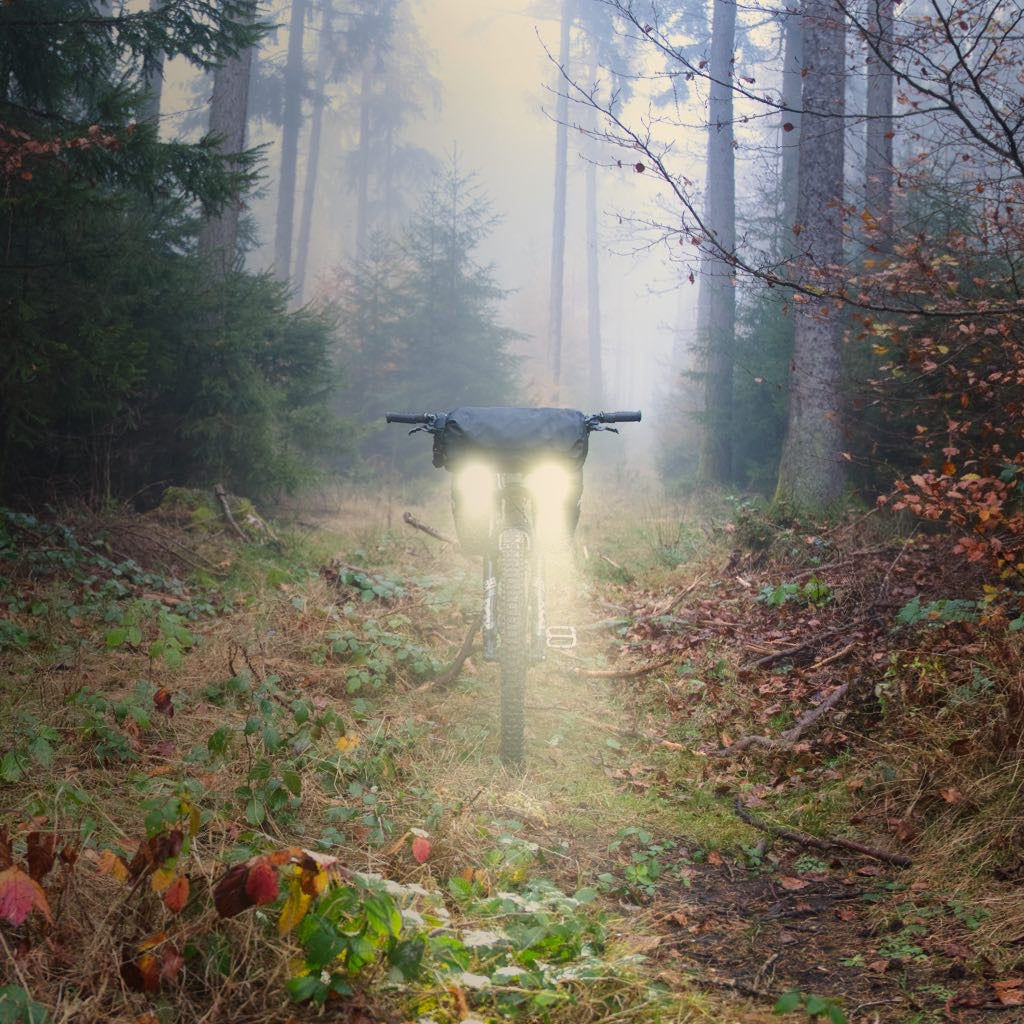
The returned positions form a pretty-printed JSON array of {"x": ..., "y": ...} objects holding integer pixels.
[{"x": 492, "y": 109}]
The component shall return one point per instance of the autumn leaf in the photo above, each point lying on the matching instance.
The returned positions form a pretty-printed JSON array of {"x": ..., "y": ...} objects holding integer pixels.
[
  {"x": 951, "y": 795},
  {"x": 295, "y": 907},
  {"x": 346, "y": 743},
  {"x": 40, "y": 854},
  {"x": 163, "y": 703},
  {"x": 162, "y": 879},
  {"x": 176, "y": 895},
  {"x": 1010, "y": 992},
  {"x": 261, "y": 884},
  {"x": 420, "y": 849},
  {"x": 19, "y": 894},
  {"x": 793, "y": 884},
  {"x": 109, "y": 863}
]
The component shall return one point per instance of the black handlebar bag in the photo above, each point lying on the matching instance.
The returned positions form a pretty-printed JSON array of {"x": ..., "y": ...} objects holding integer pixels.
[{"x": 512, "y": 440}]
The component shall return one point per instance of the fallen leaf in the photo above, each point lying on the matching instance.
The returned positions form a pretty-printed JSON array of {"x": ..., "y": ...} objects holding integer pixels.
[
  {"x": 19, "y": 894},
  {"x": 846, "y": 914},
  {"x": 879, "y": 966},
  {"x": 869, "y": 869},
  {"x": 793, "y": 884},
  {"x": 40, "y": 854},
  {"x": 715, "y": 858},
  {"x": 420, "y": 849},
  {"x": 164, "y": 704},
  {"x": 162, "y": 879},
  {"x": 176, "y": 895},
  {"x": 1010, "y": 992},
  {"x": 109, "y": 863},
  {"x": 951, "y": 795}
]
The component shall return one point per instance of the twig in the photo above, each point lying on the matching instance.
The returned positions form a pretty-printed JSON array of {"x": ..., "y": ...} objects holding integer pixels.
[
  {"x": 834, "y": 657},
  {"x": 621, "y": 673},
  {"x": 799, "y": 648},
  {"x": 410, "y": 520},
  {"x": 222, "y": 498},
  {"x": 787, "y": 740},
  {"x": 805, "y": 839},
  {"x": 677, "y": 600},
  {"x": 451, "y": 673}
]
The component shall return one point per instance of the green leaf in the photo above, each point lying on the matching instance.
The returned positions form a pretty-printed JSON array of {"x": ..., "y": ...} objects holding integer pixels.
[
  {"x": 835, "y": 1015},
  {"x": 293, "y": 781},
  {"x": 41, "y": 752},
  {"x": 10, "y": 767},
  {"x": 788, "y": 1003},
  {"x": 305, "y": 987},
  {"x": 116, "y": 637},
  {"x": 815, "y": 1006}
]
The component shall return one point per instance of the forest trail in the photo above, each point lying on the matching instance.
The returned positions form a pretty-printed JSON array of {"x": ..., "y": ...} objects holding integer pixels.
[{"x": 616, "y": 878}]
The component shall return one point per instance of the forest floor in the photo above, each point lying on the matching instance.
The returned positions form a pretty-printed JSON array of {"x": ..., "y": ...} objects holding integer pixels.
[{"x": 779, "y": 774}]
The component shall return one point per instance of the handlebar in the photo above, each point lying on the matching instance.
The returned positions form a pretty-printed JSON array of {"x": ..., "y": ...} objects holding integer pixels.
[
  {"x": 409, "y": 417},
  {"x": 617, "y": 417}
]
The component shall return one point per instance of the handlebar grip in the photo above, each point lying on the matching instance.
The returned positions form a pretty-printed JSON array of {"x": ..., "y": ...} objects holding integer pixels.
[
  {"x": 619, "y": 417},
  {"x": 407, "y": 417}
]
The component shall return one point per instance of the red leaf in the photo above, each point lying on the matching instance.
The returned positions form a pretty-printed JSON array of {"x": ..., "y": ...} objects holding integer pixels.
[
  {"x": 420, "y": 848},
  {"x": 261, "y": 884},
  {"x": 162, "y": 701},
  {"x": 1010, "y": 992},
  {"x": 229, "y": 895},
  {"x": 176, "y": 894},
  {"x": 19, "y": 894},
  {"x": 40, "y": 854}
]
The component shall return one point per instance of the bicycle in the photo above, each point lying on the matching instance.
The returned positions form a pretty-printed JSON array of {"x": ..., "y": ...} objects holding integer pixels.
[{"x": 516, "y": 480}]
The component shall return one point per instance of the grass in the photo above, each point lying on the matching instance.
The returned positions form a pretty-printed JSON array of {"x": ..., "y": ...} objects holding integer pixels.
[{"x": 300, "y": 721}]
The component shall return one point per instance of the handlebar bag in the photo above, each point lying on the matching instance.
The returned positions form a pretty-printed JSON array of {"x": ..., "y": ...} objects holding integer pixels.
[{"x": 510, "y": 434}]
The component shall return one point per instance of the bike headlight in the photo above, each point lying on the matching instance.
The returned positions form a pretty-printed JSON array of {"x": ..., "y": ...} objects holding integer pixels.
[
  {"x": 550, "y": 484},
  {"x": 474, "y": 486}
]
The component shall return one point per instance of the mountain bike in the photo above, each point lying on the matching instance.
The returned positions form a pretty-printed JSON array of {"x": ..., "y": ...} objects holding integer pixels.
[{"x": 517, "y": 480}]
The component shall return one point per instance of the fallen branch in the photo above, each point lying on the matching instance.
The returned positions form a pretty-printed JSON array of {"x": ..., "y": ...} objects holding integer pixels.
[
  {"x": 450, "y": 674},
  {"x": 768, "y": 659},
  {"x": 410, "y": 520},
  {"x": 805, "y": 839},
  {"x": 222, "y": 498},
  {"x": 677, "y": 600},
  {"x": 788, "y": 739},
  {"x": 621, "y": 673},
  {"x": 834, "y": 657}
]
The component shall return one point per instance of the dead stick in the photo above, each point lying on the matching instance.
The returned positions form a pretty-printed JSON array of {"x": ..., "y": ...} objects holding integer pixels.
[
  {"x": 678, "y": 599},
  {"x": 222, "y": 497},
  {"x": 410, "y": 520},
  {"x": 808, "y": 718},
  {"x": 787, "y": 740},
  {"x": 451, "y": 673},
  {"x": 804, "y": 839},
  {"x": 799, "y": 648},
  {"x": 621, "y": 673},
  {"x": 834, "y": 657}
]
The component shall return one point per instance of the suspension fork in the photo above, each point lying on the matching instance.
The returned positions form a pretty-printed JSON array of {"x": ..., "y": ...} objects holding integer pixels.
[{"x": 490, "y": 613}]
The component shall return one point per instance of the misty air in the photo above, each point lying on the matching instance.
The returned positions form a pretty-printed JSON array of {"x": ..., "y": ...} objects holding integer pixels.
[{"x": 511, "y": 511}]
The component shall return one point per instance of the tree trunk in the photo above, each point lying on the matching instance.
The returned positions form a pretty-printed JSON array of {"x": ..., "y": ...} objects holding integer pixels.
[
  {"x": 596, "y": 375},
  {"x": 152, "y": 79},
  {"x": 558, "y": 217},
  {"x": 716, "y": 304},
  {"x": 363, "y": 163},
  {"x": 810, "y": 472},
  {"x": 218, "y": 236},
  {"x": 792, "y": 82},
  {"x": 294, "y": 74},
  {"x": 323, "y": 62},
  {"x": 878, "y": 150}
]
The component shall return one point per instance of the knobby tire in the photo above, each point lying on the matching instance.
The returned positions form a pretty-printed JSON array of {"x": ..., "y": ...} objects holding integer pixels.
[{"x": 513, "y": 632}]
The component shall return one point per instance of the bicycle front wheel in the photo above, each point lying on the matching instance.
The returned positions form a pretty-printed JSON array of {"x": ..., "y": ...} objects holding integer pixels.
[{"x": 513, "y": 635}]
